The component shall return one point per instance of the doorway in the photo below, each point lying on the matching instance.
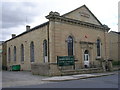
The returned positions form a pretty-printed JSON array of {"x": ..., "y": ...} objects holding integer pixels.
[{"x": 86, "y": 59}]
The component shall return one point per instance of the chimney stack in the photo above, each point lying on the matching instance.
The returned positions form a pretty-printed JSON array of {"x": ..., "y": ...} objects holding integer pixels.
[
  {"x": 27, "y": 27},
  {"x": 13, "y": 35}
]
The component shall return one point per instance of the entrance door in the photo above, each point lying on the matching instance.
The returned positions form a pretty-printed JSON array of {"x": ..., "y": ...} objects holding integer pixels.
[{"x": 86, "y": 58}]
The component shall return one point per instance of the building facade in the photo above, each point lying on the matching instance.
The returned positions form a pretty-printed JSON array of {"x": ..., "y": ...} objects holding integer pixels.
[
  {"x": 114, "y": 45},
  {"x": 119, "y": 46},
  {"x": 1, "y": 49},
  {"x": 77, "y": 33}
]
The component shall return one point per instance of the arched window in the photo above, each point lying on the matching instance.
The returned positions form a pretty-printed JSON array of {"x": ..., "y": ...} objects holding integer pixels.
[
  {"x": 9, "y": 55},
  {"x": 45, "y": 50},
  {"x": 14, "y": 53},
  {"x": 98, "y": 48},
  {"x": 32, "y": 52},
  {"x": 70, "y": 45},
  {"x": 22, "y": 53}
]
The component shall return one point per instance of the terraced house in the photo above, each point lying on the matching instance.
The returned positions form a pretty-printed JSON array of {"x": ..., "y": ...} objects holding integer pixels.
[{"x": 73, "y": 41}]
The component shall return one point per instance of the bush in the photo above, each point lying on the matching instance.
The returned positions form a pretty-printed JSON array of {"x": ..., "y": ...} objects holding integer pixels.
[
  {"x": 4, "y": 67},
  {"x": 116, "y": 63}
]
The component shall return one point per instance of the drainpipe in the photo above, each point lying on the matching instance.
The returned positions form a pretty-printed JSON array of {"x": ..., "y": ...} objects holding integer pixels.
[{"x": 48, "y": 42}]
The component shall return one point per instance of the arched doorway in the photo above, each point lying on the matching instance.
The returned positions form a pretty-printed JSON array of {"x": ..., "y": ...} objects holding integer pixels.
[{"x": 86, "y": 59}]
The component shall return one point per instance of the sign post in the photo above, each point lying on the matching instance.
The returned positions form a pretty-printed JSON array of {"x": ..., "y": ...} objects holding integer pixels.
[{"x": 65, "y": 60}]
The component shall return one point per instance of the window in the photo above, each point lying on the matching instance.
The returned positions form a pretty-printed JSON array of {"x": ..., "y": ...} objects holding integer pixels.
[
  {"x": 22, "y": 53},
  {"x": 9, "y": 55},
  {"x": 45, "y": 50},
  {"x": 70, "y": 46},
  {"x": 14, "y": 53},
  {"x": 98, "y": 48},
  {"x": 32, "y": 52}
]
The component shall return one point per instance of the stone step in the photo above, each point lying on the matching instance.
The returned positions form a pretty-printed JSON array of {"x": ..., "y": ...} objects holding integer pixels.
[{"x": 81, "y": 71}]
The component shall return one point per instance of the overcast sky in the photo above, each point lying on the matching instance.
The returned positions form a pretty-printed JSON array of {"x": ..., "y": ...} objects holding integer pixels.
[{"x": 16, "y": 14}]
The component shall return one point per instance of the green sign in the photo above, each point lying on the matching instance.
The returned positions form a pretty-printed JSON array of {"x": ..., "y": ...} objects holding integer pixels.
[{"x": 65, "y": 60}]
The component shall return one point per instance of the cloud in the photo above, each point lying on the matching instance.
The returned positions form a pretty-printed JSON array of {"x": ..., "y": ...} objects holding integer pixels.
[
  {"x": 6, "y": 33},
  {"x": 119, "y": 16},
  {"x": 17, "y": 13}
]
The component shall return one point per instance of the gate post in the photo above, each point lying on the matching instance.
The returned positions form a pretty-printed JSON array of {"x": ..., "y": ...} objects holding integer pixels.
[{"x": 110, "y": 67}]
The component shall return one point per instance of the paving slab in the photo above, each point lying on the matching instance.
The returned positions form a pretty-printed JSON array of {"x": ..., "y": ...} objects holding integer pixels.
[{"x": 76, "y": 77}]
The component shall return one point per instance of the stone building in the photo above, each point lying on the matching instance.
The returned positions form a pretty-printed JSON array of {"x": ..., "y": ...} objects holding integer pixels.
[
  {"x": 4, "y": 56},
  {"x": 119, "y": 46},
  {"x": 114, "y": 45},
  {"x": 1, "y": 54},
  {"x": 77, "y": 33}
]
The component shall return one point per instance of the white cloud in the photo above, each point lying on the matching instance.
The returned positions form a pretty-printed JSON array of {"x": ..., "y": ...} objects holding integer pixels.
[
  {"x": 119, "y": 16},
  {"x": 36, "y": 10}
]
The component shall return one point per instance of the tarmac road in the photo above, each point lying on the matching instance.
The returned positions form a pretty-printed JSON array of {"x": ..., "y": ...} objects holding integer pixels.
[{"x": 110, "y": 81}]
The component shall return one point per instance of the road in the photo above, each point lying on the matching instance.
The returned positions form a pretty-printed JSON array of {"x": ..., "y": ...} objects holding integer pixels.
[{"x": 110, "y": 81}]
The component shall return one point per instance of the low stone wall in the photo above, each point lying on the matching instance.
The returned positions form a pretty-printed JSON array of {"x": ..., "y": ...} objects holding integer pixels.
[
  {"x": 52, "y": 69},
  {"x": 82, "y": 71},
  {"x": 40, "y": 69},
  {"x": 49, "y": 69},
  {"x": 116, "y": 68}
]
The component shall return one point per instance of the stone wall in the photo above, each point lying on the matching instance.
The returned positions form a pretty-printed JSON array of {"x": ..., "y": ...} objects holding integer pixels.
[
  {"x": 40, "y": 69},
  {"x": 113, "y": 46},
  {"x": 37, "y": 37},
  {"x": 58, "y": 45}
]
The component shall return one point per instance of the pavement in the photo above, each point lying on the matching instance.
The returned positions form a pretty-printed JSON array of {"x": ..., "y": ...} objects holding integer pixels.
[
  {"x": 77, "y": 77},
  {"x": 110, "y": 81},
  {"x": 20, "y": 78}
]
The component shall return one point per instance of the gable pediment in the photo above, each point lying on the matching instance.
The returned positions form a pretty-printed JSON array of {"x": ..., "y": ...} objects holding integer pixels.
[{"x": 83, "y": 14}]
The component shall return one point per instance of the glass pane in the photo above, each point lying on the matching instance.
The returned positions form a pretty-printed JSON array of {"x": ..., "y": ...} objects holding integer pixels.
[
  {"x": 14, "y": 53},
  {"x": 98, "y": 47},
  {"x": 70, "y": 46},
  {"x": 22, "y": 52},
  {"x": 86, "y": 57},
  {"x": 9, "y": 54},
  {"x": 32, "y": 51}
]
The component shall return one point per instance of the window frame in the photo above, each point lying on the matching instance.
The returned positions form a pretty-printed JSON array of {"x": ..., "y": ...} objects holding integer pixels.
[
  {"x": 9, "y": 54},
  {"x": 70, "y": 46},
  {"x": 98, "y": 49},
  {"x": 45, "y": 51},
  {"x": 15, "y": 54},
  {"x": 32, "y": 54},
  {"x": 22, "y": 53}
]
